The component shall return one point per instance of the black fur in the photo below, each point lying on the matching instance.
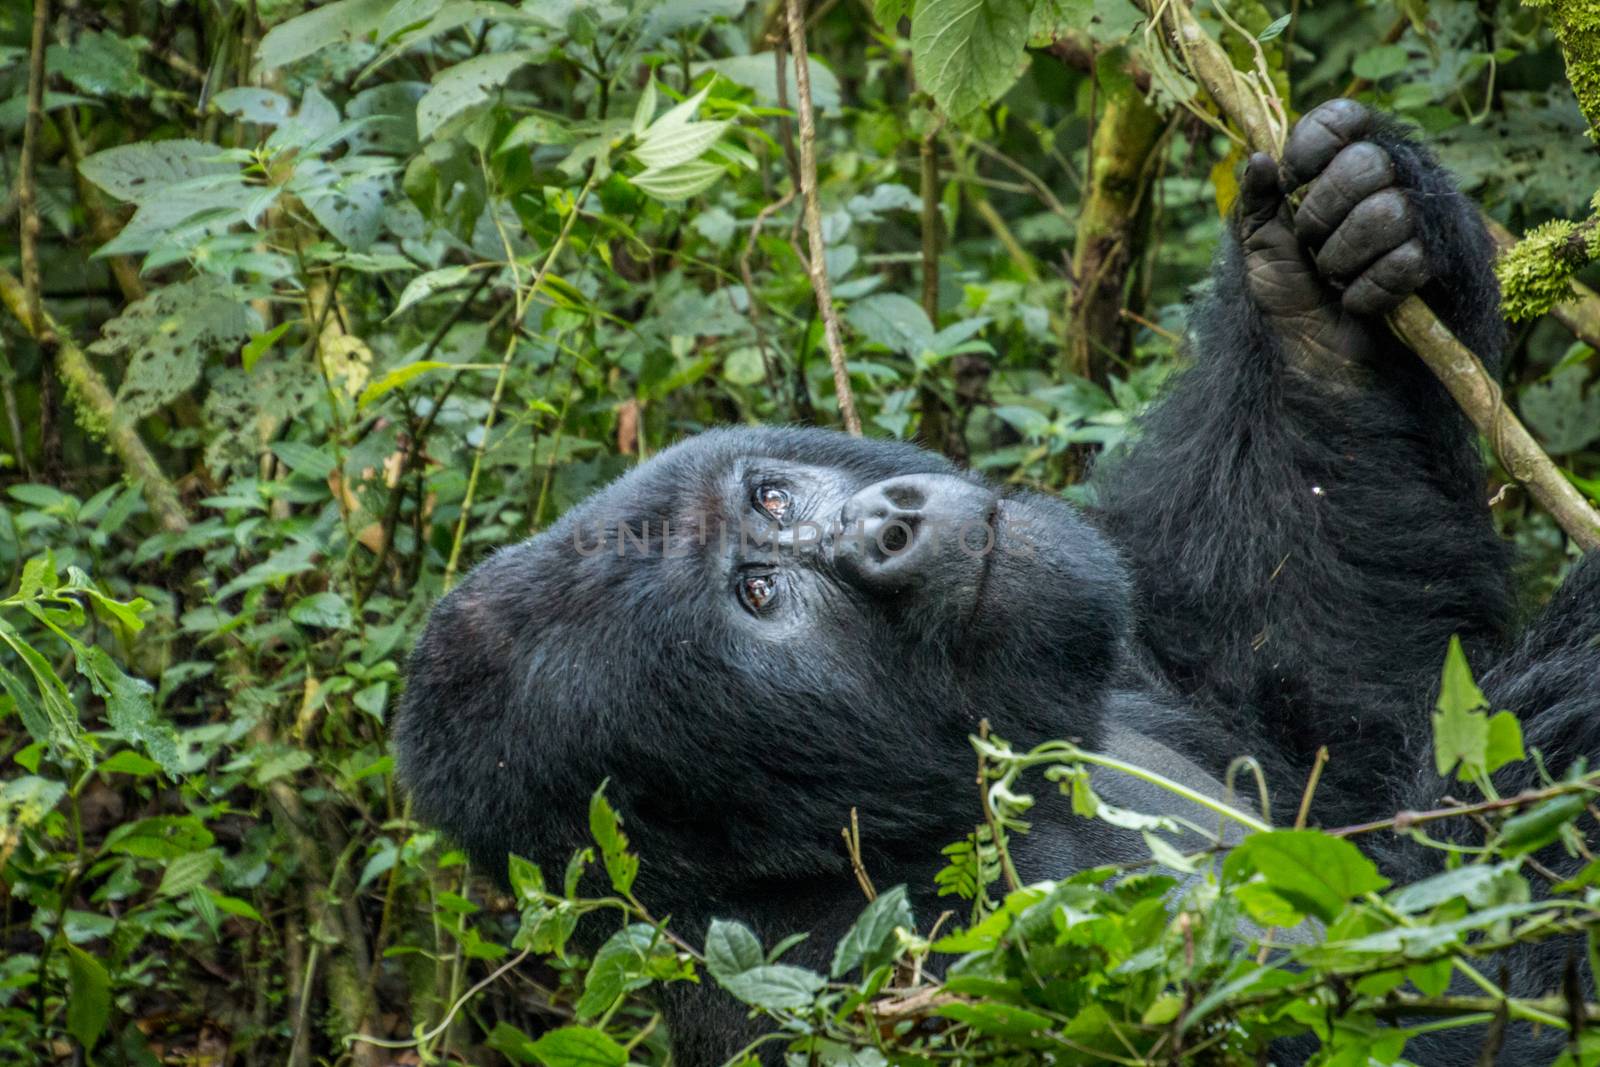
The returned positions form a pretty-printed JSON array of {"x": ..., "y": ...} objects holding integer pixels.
[{"x": 1278, "y": 564}]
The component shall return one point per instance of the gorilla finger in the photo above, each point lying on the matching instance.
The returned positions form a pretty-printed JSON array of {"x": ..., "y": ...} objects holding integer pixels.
[
  {"x": 1357, "y": 172},
  {"x": 1374, "y": 227},
  {"x": 1259, "y": 195},
  {"x": 1318, "y": 137},
  {"x": 1387, "y": 282}
]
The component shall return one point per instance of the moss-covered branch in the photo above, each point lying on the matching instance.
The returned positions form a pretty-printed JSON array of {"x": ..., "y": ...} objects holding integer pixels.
[{"x": 96, "y": 409}]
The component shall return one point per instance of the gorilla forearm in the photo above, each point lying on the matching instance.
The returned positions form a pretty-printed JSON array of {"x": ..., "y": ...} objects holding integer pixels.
[{"x": 1304, "y": 513}]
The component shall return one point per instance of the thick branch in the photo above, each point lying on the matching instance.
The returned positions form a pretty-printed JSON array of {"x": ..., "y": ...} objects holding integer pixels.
[
  {"x": 98, "y": 407},
  {"x": 816, "y": 266},
  {"x": 1455, "y": 365}
]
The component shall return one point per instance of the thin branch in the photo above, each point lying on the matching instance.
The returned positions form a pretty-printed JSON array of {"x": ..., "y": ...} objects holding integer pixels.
[
  {"x": 27, "y": 188},
  {"x": 1245, "y": 102},
  {"x": 816, "y": 265}
]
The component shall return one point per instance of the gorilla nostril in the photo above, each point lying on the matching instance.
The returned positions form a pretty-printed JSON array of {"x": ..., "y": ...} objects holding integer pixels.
[
  {"x": 905, "y": 495},
  {"x": 894, "y": 537}
]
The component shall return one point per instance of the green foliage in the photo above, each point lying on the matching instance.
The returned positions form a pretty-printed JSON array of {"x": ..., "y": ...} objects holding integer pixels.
[
  {"x": 300, "y": 244},
  {"x": 1536, "y": 274}
]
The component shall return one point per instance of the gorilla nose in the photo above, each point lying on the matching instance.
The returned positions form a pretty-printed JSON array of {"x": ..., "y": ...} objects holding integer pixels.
[{"x": 912, "y": 530}]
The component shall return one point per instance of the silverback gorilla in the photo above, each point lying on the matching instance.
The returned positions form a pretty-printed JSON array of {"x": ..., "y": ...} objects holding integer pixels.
[{"x": 1277, "y": 564}]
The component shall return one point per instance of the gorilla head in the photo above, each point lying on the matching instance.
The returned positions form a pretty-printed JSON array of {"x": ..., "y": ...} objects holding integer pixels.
[{"x": 749, "y": 635}]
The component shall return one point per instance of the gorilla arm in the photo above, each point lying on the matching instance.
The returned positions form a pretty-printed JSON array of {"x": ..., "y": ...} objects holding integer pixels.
[{"x": 1304, "y": 513}]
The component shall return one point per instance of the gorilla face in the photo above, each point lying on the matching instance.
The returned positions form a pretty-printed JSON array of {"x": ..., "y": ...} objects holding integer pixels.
[{"x": 749, "y": 635}]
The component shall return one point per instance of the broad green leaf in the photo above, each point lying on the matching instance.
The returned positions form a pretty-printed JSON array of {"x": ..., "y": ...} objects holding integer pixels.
[
  {"x": 128, "y": 762},
  {"x": 166, "y": 338},
  {"x": 100, "y": 64},
  {"x": 578, "y": 1046},
  {"x": 731, "y": 949},
  {"x": 306, "y": 459},
  {"x": 427, "y": 283},
  {"x": 261, "y": 106},
  {"x": 680, "y": 182},
  {"x": 327, "y": 610},
  {"x": 871, "y": 941},
  {"x": 968, "y": 52},
  {"x": 400, "y": 376},
  {"x": 88, "y": 996},
  {"x": 759, "y": 73},
  {"x": 1378, "y": 63},
  {"x": 895, "y": 321},
  {"x": 187, "y": 872},
  {"x": 622, "y": 965},
  {"x": 775, "y": 986},
  {"x": 1566, "y": 418},
  {"x": 467, "y": 84},
  {"x": 1314, "y": 873},
  {"x": 335, "y": 23},
  {"x": 678, "y": 144},
  {"x": 129, "y": 709},
  {"x": 147, "y": 169}
]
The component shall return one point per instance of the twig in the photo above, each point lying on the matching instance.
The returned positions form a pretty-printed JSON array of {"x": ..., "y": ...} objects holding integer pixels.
[
  {"x": 852, "y": 844},
  {"x": 43, "y": 330},
  {"x": 100, "y": 408},
  {"x": 816, "y": 265},
  {"x": 1460, "y": 371},
  {"x": 1311, "y": 787},
  {"x": 523, "y": 299},
  {"x": 1405, "y": 820}
]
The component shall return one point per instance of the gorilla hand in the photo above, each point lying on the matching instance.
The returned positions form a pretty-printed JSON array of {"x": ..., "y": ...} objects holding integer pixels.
[{"x": 1352, "y": 249}]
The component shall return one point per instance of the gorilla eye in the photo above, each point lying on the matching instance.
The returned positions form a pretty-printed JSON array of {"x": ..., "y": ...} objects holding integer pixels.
[
  {"x": 758, "y": 591},
  {"x": 772, "y": 500}
]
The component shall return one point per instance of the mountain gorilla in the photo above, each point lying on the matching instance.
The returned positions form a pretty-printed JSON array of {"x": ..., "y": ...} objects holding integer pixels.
[{"x": 1277, "y": 564}]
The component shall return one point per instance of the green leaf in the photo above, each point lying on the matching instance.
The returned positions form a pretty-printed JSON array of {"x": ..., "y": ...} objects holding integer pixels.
[
  {"x": 968, "y": 52},
  {"x": 1314, "y": 873},
  {"x": 871, "y": 941},
  {"x": 774, "y": 986},
  {"x": 147, "y": 169},
  {"x": 261, "y": 106},
  {"x": 759, "y": 73},
  {"x": 427, "y": 283},
  {"x": 187, "y": 872},
  {"x": 680, "y": 144},
  {"x": 398, "y": 377},
  {"x": 731, "y": 949},
  {"x": 578, "y": 1046},
  {"x": 166, "y": 338},
  {"x": 327, "y": 610},
  {"x": 467, "y": 84},
  {"x": 128, "y": 762},
  {"x": 335, "y": 23},
  {"x": 895, "y": 321},
  {"x": 100, "y": 64},
  {"x": 1566, "y": 418},
  {"x": 1460, "y": 730},
  {"x": 129, "y": 709},
  {"x": 88, "y": 996},
  {"x": 606, "y": 827},
  {"x": 1378, "y": 63},
  {"x": 679, "y": 182},
  {"x": 305, "y": 459},
  {"x": 261, "y": 344},
  {"x": 622, "y": 965},
  {"x": 1537, "y": 827},
  {"x": 1275, "y": 28},
  {"x": 1505, "y": 742}
]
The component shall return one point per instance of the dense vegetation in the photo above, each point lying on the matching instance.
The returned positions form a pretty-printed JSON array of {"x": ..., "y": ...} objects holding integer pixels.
[{"x": 307, "y": 309}]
